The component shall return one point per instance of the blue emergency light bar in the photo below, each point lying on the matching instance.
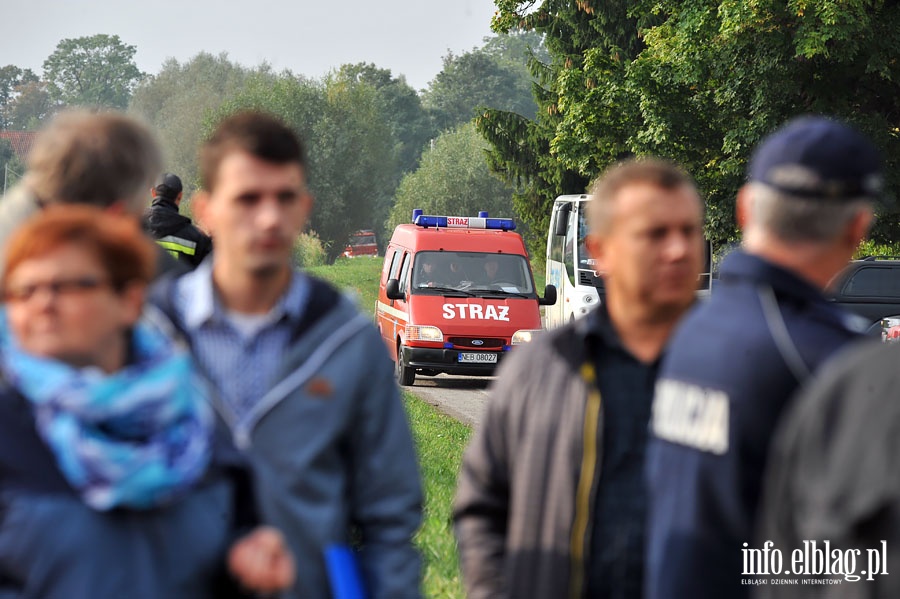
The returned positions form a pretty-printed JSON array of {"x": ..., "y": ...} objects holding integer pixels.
[{"x": 464, "y": 222}]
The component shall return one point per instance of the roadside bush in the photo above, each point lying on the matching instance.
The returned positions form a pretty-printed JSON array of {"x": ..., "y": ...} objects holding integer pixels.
[
  {"x": 309, "y": 250},
  {"x": 870, "y": 248}
]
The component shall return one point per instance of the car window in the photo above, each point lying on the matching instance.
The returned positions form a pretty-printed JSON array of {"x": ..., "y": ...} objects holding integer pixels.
[{"x": 874, "y": 281}]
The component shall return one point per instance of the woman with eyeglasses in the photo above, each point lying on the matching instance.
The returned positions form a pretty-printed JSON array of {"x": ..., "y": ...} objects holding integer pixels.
[{"x": 111, "y": 482}]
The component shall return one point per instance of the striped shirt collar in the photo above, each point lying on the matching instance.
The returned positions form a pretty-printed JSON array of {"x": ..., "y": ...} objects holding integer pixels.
[{"x": 202, "y": 304}]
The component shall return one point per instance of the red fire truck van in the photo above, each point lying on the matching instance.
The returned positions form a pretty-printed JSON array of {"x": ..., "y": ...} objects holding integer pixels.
[
  {"x": 362, "y": 243},
  {"x": 456, "y": 294}
]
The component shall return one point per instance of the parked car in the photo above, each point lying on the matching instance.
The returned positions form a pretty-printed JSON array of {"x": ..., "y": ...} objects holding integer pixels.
[{"x": 870, "y": 288}]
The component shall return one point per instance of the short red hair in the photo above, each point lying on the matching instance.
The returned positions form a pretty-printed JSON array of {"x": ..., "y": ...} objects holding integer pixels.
[{"x": 117, "y": 241}]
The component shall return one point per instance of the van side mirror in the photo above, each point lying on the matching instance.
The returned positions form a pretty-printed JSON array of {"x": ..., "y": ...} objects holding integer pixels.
[
  {"x": 392, "y": 290},
  {"x": 549, "y": 296}
]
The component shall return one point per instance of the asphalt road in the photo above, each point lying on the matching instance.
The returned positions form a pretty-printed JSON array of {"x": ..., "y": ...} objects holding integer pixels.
[{"x": 461, "y": 397}]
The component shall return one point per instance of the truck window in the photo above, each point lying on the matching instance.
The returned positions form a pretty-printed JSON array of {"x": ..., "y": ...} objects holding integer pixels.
[
  {"x": 556, "y": 241},
  {"x": 390, "y": 264},
  {"x": 569, "y": 252},
  {"x": 395, "y": 263},
  {"x": 475, "y": 272},
  {"x": 404, "y": 271}
]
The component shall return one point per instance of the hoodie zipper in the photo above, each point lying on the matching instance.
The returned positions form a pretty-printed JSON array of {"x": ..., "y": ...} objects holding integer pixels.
[{"x": 243, "y": 429}]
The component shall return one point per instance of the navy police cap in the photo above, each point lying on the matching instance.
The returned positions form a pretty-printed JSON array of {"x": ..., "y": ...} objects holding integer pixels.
[{"x": 817, "y": 157}]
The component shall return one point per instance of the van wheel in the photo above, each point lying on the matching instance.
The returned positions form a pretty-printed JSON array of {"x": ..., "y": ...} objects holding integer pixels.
[{"x": 406, "y": 376}]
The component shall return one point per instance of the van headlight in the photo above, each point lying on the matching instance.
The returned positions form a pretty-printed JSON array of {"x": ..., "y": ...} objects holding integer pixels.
[
  {"x": 523, "y": 336},
  {"x": 423, "y": 333}
]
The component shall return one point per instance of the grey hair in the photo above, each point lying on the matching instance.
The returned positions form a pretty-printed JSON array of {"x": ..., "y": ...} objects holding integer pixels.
[
  {"x": 94, "y": 158},
  {"x": 801, "y": 219}
]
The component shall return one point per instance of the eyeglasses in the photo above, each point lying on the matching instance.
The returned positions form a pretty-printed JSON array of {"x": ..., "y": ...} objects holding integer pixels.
[{"x": 61, "y": 287}]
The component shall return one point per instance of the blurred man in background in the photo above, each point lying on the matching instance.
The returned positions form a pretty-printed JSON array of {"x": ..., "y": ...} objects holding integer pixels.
[
  {"x": 172, "y": 230},
  {"x": 551, "y": 499},
  {"x": 304, "y": 383}
]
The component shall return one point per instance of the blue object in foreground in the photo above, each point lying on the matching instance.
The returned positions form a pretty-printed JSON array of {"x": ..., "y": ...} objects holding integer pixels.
[{"x": 343, "y": 572}]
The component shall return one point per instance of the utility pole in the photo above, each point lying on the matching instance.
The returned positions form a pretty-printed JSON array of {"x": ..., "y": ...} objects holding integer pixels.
[{"x": 5, "y": 175}]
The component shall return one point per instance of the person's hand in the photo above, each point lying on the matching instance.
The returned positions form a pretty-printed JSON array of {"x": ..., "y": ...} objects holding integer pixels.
[{"x": 261, "y": 561}]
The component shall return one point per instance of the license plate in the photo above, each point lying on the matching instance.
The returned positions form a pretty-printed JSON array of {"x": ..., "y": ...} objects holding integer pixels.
[{"x": 477, "y": 358}]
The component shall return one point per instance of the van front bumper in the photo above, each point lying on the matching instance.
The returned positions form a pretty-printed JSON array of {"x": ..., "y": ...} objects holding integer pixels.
[{"x": 447, "y": 361}]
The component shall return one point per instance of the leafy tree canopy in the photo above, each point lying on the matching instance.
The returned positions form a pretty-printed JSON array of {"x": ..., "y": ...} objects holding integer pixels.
[
  {"x": 11, "y": 169},
  {"x": 453, "y": 179},
  {"x": 400, "y": 105},
  {"x": 176, "y": 101},
  {"x": 495, "y": 75},
  {"x": 96, "y": 71},
  {"x": 30, "y": 107},
  {"x": 12, "y": 78},
  {"x": 696, "y": 81}
]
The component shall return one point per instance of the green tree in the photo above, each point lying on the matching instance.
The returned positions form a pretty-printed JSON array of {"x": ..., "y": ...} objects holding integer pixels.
[
  {"x": 355, "y": 163},
  {"x": 96, "y": 71},
  {"x": 349, "y": 146},
  {"x": 11, "y": 78},
  {"x": 453, "y": 178},
  {"x": 11, "y": 169},
  {"x": 176, "y": 101},
  {"x": 402, "y": 108},
  {"x": 713, "y": 83},
  {"x": 696, "y": 81},
  {"x": 30, "y": 107},
  {"x": 495, "y": 76}
]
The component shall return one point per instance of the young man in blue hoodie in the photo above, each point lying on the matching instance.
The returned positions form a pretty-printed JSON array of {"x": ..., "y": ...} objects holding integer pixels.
[{"x": 304, "y": 383}]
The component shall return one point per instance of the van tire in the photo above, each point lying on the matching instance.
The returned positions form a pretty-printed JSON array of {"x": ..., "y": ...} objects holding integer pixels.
[{"x": 406, "y": 376}]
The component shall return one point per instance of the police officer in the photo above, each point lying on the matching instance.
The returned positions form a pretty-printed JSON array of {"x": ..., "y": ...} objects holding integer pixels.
[
  {"x": 173, "y": 231},
  {"x": 734, "y": 362}
]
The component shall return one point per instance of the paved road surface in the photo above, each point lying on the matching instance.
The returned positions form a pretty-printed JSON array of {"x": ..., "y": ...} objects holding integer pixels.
[{"x": 461, "y": 397}]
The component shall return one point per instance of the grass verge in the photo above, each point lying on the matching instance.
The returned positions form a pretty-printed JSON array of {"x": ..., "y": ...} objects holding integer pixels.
[
  {"x": 440, "y": 441},
  {"x": 359, "y": 276}
]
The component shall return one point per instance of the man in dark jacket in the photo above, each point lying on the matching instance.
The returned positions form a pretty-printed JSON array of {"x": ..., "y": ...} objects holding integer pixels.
[
  {"x": 734, "y": 362},
  {"x": 832, "y": 485},
  {"x": 171, "y": 230},
  {"x": 551, "y": 498}
]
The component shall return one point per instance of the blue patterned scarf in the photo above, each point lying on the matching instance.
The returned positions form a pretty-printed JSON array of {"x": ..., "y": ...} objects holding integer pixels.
[{"x": 137, "y": 438}]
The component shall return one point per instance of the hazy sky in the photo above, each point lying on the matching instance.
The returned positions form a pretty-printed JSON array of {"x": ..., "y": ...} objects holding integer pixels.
[{"x": 309, "y": 37}]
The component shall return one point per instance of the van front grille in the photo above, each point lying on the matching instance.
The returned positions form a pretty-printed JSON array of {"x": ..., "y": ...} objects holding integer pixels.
[{"x": 467, "y": 342}]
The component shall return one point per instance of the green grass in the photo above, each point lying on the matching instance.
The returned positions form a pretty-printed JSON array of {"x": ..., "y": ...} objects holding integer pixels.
[
  {"x": 440, "y": 441},
  {"x": 359, "y": 275}
]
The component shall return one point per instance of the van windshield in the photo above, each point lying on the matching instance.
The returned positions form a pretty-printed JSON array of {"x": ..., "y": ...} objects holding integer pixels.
[{"x": 474, "y": 272}]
